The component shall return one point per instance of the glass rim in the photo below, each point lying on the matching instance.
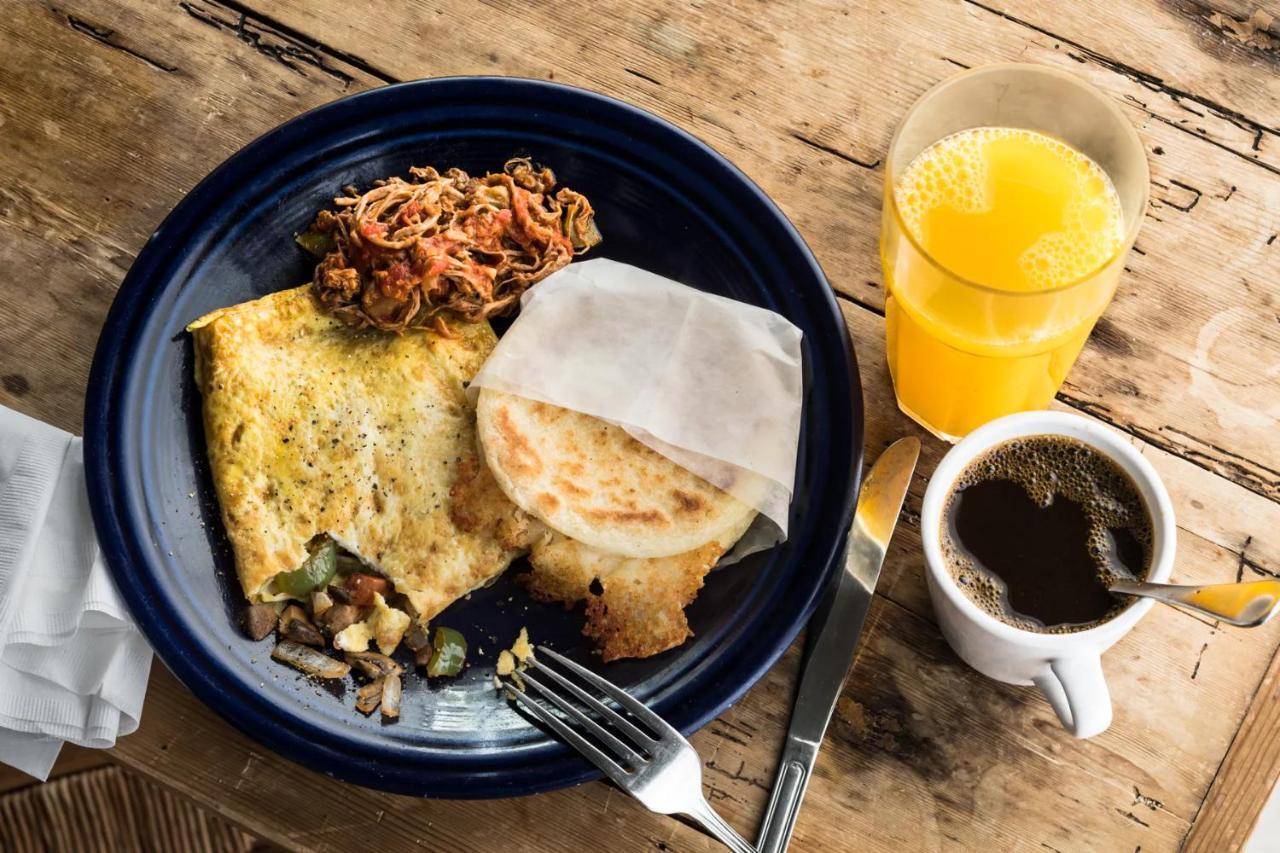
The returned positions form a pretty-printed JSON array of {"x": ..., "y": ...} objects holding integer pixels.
[{"x": 1109, "y": 104}]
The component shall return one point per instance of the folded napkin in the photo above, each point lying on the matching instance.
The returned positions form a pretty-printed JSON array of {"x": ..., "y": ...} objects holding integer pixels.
[{"x": 73, "y": 665}]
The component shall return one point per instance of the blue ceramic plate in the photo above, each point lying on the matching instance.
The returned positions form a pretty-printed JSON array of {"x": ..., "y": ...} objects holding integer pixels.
[{"x": 665, "y": 202}]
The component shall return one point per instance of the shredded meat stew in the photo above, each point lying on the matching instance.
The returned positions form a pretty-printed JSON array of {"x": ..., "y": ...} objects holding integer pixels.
[{"x": 412, "y": 254}]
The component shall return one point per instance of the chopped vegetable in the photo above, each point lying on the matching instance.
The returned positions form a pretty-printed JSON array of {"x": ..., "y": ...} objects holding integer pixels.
[
  {"x": 294, "y": 625},
  {"x": 259, "y": 620},
  {"x": 314, "y": 573},
  {"x": 369, "y": 697},
  {"x": 349, "y": 563},
  {"x": 363, "y": 587},
  {"x": 391, "y": 690},
  {"x": 320, "y": 602},
  {"x": 418, "y": 639},
  {"x": 372, "y": 664},
  {"x": 309, "y": 661},
  {"x": 338, "y": 618},
  {"x": 316, "y": 243},
  {"x": 448, "y": 654}
]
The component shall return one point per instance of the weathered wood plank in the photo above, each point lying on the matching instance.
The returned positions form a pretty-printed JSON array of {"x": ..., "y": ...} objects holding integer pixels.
[
  {"x": 110, "y": 113},
  {"x": 810, "y": 118},
  {"x": 1187, "y": 48},
  {"x": 1249, "y": 773}
]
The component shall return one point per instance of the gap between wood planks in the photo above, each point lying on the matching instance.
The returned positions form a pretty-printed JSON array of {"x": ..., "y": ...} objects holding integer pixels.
[{"x": 247, "y": 34}]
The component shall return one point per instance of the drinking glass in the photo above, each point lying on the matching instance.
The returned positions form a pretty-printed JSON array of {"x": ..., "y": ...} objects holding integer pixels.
[{"x": 961, "y": 351}]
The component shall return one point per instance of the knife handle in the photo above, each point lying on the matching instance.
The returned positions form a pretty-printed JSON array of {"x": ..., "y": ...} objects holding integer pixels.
[{"x": 784, "y": 805}]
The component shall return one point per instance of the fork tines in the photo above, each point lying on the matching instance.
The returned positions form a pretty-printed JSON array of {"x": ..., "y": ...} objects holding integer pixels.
[{"x": 617, "y": 745}]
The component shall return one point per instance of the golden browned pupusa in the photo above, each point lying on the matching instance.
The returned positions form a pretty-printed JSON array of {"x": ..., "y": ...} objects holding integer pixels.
[
  {"x": 591, "y": 481},
  {"x": 567, "y": 468}
]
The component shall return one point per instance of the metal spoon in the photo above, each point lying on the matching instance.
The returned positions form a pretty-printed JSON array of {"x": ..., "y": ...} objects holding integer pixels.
[{"x": 1246, "y": 605}]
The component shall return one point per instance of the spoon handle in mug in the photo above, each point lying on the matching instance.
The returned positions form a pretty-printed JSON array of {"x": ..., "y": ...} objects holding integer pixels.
[{"x": 1245, "y": 605}]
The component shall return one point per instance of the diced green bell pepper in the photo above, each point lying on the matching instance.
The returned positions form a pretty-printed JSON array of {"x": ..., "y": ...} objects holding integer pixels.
[
  {"x": 448, "y": 653},
  {"x": 315, "y": 572}
]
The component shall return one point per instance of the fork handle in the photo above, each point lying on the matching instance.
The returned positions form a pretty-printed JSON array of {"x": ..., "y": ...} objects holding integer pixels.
[{"x": 715, "y": 826}]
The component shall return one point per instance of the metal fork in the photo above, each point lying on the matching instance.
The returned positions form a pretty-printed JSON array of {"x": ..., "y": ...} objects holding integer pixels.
[{"x": 651, "y": 761}]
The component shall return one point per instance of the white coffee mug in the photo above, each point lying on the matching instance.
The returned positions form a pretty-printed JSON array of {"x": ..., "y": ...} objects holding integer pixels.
[{"x": 1066, "y": 667}]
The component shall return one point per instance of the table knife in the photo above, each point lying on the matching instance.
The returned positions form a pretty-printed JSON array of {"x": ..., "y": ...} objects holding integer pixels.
[{"x": 833, "y": 636}]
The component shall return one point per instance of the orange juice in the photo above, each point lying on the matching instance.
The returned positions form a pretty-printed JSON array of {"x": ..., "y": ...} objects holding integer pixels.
[{"x": 1006, "y": 247}]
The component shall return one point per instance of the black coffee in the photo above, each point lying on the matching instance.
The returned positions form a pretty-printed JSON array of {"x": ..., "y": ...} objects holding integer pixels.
[{"x": 1036, "y": 528}]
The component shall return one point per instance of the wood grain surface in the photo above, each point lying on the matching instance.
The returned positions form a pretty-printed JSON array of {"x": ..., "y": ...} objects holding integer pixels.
[{"x": 110, "y": 111}]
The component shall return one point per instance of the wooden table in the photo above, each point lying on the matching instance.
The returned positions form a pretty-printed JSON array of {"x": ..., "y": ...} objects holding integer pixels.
[{"x": 110, "y": 111}]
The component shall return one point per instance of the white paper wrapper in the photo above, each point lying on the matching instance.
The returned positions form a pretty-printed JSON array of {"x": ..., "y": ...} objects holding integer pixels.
[{"x": 711, "y": 383}]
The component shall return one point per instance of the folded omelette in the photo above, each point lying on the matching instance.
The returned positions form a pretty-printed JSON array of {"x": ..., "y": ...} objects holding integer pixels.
[{"x": 315, "y": 428}]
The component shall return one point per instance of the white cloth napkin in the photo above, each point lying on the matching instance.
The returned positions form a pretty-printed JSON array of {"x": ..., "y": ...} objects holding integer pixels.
[{"x": 73, "y": 665}]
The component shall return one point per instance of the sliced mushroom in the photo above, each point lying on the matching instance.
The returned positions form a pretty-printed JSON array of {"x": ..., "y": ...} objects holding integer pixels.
[
  {"x": 309, "y": 661},
  {"x": 339, "y": 594},
  {"x": 372, "y": 664},
  {"x": 418, "y": 639},
  {"x": 422, "y": 656},
  {"x": 338, "y": 618},
  {"x": 369, "y": 696},
  {"x": 391, "y": 696},
  {"x": 259, "y": 620},
  {"x": 294, "y": 625}
]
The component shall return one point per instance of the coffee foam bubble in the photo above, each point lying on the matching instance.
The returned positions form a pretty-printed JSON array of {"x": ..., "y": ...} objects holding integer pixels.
[{"x": 1047, "y": 467}]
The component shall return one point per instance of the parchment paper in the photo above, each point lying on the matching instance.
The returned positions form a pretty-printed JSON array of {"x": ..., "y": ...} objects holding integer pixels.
[{"x": 711, "y": 383}]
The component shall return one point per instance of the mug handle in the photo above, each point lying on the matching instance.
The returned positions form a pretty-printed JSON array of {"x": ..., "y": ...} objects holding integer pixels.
[{"x": 1078, "y": 693}]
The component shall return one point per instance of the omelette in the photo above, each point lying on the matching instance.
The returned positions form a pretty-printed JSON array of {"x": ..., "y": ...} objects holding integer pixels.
[{"x": 315, "y": 428}]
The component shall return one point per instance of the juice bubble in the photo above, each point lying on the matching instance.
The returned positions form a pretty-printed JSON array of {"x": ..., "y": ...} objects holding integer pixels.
[{"x": 1012, "y": 208}]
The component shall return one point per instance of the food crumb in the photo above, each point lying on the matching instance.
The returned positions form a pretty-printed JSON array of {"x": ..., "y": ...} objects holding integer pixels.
[
  {"x": 512, "y": 661},
  {"x": 506, "y": 662},
  {"x": 521, "y": 647}
]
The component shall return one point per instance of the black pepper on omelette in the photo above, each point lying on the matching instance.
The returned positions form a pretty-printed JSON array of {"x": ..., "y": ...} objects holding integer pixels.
[{"x": 414, "y": 254}]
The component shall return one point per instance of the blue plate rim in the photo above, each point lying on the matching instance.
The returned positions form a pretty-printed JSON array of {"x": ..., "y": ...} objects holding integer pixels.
[{"x": 100, "y": 438}]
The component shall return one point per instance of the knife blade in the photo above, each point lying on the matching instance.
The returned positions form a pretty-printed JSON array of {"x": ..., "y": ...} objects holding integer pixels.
[{"x": 834, "y": 635}]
